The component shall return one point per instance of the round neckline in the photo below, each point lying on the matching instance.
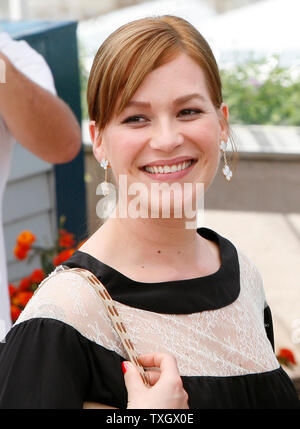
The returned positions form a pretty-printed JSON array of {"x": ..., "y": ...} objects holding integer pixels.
[{"x": 183, "y": 296}]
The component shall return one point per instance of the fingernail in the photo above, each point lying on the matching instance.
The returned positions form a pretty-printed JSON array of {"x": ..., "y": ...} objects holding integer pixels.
[{"x": 124, "y": 367}]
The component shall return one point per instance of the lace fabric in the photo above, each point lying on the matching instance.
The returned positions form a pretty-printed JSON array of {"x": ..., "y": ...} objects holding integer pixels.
[{"x": 225, "y": 342}]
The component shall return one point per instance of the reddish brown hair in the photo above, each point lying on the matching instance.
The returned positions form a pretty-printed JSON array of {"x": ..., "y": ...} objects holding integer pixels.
[{"x": 134, "y": 50}]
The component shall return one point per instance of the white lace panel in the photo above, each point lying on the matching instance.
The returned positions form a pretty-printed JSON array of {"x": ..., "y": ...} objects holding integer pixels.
[{"x": 224, "y": 342}]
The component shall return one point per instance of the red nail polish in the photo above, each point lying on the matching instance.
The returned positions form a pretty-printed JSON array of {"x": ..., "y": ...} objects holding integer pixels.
[{"x": 124, "y": 367}]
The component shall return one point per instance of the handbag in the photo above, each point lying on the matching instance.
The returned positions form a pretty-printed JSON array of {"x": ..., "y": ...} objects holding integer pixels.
[{"x": 115, "y": 318}]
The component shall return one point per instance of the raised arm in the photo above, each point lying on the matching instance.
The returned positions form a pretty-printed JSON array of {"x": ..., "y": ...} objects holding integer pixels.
[{"x": 38, "y": 120}]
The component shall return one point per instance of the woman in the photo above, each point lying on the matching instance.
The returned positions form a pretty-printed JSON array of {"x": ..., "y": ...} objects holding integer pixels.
[{"x": 193, "y": 304}]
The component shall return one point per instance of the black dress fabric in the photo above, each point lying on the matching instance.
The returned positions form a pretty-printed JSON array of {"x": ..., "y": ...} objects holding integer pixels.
[{"x": 45, "y": 363}]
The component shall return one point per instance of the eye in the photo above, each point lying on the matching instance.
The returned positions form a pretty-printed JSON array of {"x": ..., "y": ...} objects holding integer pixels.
[
  {"x": 189, "y": 112},
  {"x": 134, "y": 119}
]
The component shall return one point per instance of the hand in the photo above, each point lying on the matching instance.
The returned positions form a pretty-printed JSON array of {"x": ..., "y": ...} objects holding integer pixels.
[{"x": 166, "y": 389}]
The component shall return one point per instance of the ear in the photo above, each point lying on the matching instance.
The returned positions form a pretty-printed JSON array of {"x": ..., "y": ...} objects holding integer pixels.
[
  {"x": 224, "y": 118},
  {"x": 96, "y": 138}
]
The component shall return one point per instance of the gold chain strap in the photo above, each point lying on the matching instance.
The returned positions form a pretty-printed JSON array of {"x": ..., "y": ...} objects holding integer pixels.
[{"x": 112, "y": 313}]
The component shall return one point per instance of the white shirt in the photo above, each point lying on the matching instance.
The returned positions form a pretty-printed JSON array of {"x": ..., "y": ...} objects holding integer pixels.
[{"x": 34, "y": 66}]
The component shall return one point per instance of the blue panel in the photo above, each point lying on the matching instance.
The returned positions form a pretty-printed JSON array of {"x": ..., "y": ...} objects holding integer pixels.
[{"x": 20, "y": 29}]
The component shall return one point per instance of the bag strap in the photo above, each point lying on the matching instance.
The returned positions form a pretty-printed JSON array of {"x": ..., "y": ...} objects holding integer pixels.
[{"x": 111, "y": 311}]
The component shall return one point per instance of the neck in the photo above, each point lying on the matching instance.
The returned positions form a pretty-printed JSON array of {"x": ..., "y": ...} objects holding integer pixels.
[{"x": 157, "y": 239}]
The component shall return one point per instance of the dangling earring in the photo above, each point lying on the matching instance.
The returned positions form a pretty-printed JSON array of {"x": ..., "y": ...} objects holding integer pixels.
[
  {"x": 105, "y": 185},
  {"x": 226, "y": 170},
  {"x": 106, "y": 206}
]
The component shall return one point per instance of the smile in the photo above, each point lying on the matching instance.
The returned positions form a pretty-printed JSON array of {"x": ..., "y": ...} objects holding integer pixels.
[{"x": 167, "y": 169}]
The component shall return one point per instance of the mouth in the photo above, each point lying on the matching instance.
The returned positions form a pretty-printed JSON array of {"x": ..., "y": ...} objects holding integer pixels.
[{"x": 169, "y": 169}]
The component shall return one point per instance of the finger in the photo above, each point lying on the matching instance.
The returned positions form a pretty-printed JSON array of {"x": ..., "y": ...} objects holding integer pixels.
[
  {"x": 165, "y": 361},
  {"x": 153, "y": 376},
  {"x": 133, "y": 381},
  {"x": 168, "y": 366}
]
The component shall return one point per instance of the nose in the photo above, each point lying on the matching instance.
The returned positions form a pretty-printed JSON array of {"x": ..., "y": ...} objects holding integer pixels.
[{"x": 166, "y": 138}]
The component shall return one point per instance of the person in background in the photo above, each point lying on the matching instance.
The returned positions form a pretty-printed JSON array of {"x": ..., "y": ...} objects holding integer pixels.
[{"x": 32, "y": 114}]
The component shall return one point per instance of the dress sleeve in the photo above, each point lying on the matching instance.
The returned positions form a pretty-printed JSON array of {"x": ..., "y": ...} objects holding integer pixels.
[
  {"x": 42, "y": 365},
  {"x": 58, "y": 354},
  {"x": 269, "y": 325}
]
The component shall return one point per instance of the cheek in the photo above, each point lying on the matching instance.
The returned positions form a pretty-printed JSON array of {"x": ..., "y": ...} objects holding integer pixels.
[
  {"x": 206, "y": 134},
  {"x": 122, "y": 150}
]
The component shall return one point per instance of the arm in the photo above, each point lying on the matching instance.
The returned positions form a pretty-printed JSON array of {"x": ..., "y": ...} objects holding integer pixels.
[
  {"x": 43, "y": 364},
  {"x": 38, "y": 120}
]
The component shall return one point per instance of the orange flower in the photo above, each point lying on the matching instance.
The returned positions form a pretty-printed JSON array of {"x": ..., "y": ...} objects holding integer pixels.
[
  {"x": 24, "y": 242},
  {"x": 20, "y": 252},
  {"x": 14, "y": 312},
  {"x": 25, "y": 284},
  {"x": 66, "y": 239},
  {"x": 15, "y": 299},
  {"x": 12, "y": 289},
  {"x": 286, "y": 356},
  {"x": 62, "y": 256},
  {"x": 25, "y": 238},
  {"x": 24, "y": 297},
  {"x": 23, "y": 246},
  {"x": 21, "y": 298},
  {"x": 37, "y": 276}
]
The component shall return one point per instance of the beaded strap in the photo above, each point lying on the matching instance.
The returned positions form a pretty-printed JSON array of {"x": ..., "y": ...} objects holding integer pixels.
[{"x": 112, "y": 313}]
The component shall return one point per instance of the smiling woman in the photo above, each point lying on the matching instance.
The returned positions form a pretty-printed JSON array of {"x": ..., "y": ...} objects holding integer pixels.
[
  {"x": 179, "y": 63},
  {"x": 193, "y": 305},
  {"x": 174, "y": 138}
]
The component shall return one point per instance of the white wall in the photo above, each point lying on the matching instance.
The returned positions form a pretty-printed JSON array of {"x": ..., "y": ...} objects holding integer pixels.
[{"x": 29, "y": 204}]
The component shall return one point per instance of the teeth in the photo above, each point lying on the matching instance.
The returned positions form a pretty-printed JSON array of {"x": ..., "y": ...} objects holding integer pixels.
[{"x": 167, "y": 168}]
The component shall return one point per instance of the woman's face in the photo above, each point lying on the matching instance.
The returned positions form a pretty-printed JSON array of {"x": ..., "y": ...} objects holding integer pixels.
[{"x": 169, "y": 122}]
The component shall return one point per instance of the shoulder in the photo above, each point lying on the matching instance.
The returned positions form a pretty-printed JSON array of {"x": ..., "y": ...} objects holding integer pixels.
[
  {"x": 68, "y": 297},
  {"x": 247, "y": 263},
  {"x": 250, "y": 278},
  {"x": 56, "y": 295}
]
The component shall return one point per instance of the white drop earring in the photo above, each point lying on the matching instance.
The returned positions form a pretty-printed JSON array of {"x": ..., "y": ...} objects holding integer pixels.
[
  {"x": 226, "y": 170},
  {"x": 106, "y": 206},
  {"x": 105, "y": 185}
]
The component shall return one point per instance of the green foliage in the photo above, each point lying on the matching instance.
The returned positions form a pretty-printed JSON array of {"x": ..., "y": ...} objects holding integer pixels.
[{"x": 262, "y": 92}]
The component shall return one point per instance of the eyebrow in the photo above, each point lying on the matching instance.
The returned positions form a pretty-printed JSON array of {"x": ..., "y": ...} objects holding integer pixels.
[{"x": 179, "y": 100}]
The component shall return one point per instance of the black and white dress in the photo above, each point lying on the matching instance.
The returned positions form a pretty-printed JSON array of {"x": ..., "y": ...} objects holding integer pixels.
[{"x": 63, "y": 349}]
